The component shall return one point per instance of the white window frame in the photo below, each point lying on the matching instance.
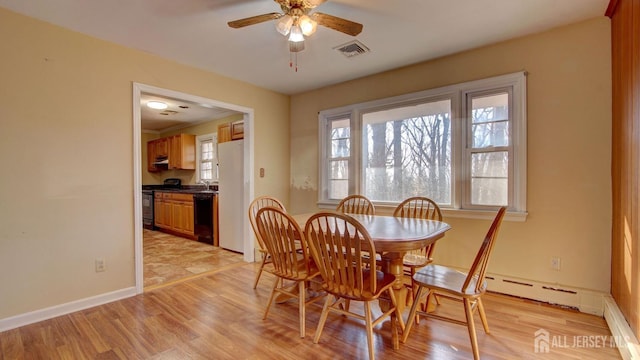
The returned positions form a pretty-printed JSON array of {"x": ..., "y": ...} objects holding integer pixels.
[
  {"x": 460, "y": 156},
  {"x": 199, "y": 140}
]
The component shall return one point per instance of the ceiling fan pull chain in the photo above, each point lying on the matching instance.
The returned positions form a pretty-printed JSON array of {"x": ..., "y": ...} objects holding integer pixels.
[{"x": 293, "y": 59}]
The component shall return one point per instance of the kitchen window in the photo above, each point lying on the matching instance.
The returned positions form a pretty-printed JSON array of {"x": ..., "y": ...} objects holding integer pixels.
[
  {"x": 207, "y": 160},
  {"x": 462, "y": 145}
]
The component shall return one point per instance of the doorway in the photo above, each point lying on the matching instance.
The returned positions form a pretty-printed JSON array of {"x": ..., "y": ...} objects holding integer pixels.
[{"x": 248, "y": 186}]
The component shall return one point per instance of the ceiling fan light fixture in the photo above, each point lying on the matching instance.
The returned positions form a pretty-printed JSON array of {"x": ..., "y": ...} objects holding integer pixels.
[
  {"x": 307, "y": 25},
  {"x": 295, "y": 35},
  {"x": 296, "y": 46},
  {"x": 284, "y": 25}
]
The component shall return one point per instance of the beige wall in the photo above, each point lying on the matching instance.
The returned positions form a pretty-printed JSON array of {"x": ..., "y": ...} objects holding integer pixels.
[
  {"x": 66, "y": 145},
  {"x": 569, "y": 149}
]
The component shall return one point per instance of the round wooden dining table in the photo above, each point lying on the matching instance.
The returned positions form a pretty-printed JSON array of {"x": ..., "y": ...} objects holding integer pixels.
[{"x": 393, "y": 237}]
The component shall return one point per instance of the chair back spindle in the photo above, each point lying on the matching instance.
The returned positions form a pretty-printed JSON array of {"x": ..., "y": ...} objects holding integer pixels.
[{"x": 356, "y": 204}]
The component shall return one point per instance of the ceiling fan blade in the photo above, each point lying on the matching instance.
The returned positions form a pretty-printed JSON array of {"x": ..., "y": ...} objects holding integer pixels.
[
  {"x": 254, "y": 20},
  {"x": 339, "y": 24}
]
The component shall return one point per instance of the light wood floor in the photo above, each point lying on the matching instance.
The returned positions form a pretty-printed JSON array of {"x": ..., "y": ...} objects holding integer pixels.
[
  {"x": 219, "y": 316},
  {"x": 169, "y": 259}
]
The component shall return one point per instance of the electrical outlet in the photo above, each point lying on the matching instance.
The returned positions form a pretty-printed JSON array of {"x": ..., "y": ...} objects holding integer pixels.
[
  {"x": 101, "y": 265},
  {"x": 555, "y": 263}
]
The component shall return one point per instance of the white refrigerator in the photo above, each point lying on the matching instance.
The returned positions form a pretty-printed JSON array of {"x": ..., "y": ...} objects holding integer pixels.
[{"x": 230, "y": 193}]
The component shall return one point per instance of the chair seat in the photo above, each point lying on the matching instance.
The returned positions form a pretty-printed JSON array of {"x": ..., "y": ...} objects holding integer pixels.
[
  {"x": 383, "y": 281},
  {"x": 415, "y": 260},
  {"x": 302, "y": 274},
  {"x": 442, "y": 278}
]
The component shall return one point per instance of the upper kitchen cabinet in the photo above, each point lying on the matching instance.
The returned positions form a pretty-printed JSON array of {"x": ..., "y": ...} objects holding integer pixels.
[
  {"x": 231, "y": 131},
  {"x": 237, "y": 130},
  {"x": 182, "y": 152},
  {"x": 173, "y": 152},
  {"x": 224, "y": 132}
]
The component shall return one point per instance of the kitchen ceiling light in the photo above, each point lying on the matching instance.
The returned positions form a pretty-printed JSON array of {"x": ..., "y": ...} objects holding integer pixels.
[{"x": 158, "y": 105}]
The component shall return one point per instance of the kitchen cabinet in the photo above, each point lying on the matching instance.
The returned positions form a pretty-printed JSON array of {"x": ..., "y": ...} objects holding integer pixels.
[
  {"x": 174, "y": 213},
  {"x": 151, "y": 157},
  {"x": 158, "y": 148},
  {"x": 177, "y": 151},
  {"x": 237, "y": 130},
  {"x": 231, "y": 131},
  {"x": 162, "y": 147},
  {"x": 182, "y": 152},
  {"x": 224, "y": 132}
]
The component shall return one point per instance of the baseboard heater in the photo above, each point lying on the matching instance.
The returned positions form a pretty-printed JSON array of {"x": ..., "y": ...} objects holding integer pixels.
[{"x": 583, "y": 300}]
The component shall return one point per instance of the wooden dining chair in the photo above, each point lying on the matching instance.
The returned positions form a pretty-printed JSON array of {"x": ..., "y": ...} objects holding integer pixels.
[
  {"x": 452, "y": 284},
  {"x": 356, "y": 204},
  {"x": 341, "y": 247},
  {"x": 257, "y": 204},
  {"x": 418, "y": 207},
  {"x": 290, "y": 259}
]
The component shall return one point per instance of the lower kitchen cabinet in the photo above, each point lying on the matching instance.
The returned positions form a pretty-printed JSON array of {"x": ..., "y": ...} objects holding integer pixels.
[{"x": 174, "y": 212}]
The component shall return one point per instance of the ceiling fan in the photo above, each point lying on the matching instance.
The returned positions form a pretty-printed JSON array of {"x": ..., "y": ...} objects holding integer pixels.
[{"x": 297, "y": 21}]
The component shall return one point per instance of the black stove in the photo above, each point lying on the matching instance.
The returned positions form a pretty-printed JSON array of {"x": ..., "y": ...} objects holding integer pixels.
[{"x": 147, "y": 199}]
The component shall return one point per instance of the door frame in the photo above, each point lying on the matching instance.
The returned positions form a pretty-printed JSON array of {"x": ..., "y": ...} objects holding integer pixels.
[{"x": 248, "y": 116}]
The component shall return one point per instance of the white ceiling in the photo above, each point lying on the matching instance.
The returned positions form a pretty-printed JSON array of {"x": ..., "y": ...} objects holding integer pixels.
[
  {"x": 178, "y": 114},
  {"x": 398, "y": 33}
]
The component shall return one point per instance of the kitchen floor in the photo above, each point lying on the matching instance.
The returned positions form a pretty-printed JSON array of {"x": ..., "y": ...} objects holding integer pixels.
[{"x": 171, "y": 259}]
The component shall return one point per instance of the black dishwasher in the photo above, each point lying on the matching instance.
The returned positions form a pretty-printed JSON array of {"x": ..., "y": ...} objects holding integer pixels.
[{"x": 203, "y": 213}]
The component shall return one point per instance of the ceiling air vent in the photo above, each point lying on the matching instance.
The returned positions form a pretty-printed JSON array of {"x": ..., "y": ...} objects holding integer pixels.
[
  {"x": 168, "y": 112},
  {"x": 351, "y": 49}
]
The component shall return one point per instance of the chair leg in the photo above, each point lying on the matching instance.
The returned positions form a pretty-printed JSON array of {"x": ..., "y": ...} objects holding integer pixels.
[
  {"x": 468, "y": 310},
  {"x": 301, "y": 310},
  {"x": 264, "y": 261},
  {"x": 323, "y": 319},
  {"x": 273, "y": 294},
  {"x": 412, "y": 314},
  {"x": 483, "y": 317},
  {"x": 369, "y": 325}
]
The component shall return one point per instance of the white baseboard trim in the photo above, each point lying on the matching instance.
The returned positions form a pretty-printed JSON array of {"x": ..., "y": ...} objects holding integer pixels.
[
  {"x": 620, "y": 330},
  {"x": 585, "y": 300},
  {"x": 63, "y": 309}
]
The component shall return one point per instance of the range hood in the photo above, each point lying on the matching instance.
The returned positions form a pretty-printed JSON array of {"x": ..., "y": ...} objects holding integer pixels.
[{"x": 161, "y": 160}]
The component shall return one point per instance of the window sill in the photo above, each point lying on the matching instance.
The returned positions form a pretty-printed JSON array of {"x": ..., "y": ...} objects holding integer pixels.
[{"x": 387, "y": 209}]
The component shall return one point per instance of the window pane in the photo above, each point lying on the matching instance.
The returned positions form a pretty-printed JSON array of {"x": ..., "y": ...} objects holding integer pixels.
[
  {"x": 490, "y": 120},
  {"x": 206, "y": 158},
  {"x": 490, "y": 134},
  {"x": 340, "y": 138},
  {"x": 407, "y": 152},
  {"x": 490, "y": 178},
  {"x": 340, "y": 129},
  {"x": 338, "y": 179},
  {"x": 339, "y": 169},
  {"x": 340, "y": 148},
  {"x": 338, "y": 189},
  {"x": 207, "y": 150}
]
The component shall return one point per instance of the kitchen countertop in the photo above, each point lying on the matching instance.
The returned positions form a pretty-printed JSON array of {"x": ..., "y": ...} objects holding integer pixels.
[{"x": 189, "y": 191}]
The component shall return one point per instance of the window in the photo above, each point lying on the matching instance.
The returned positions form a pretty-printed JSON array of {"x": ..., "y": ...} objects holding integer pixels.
[
  {"x": 207, "y": 160},
  {"x": 339, "y": 155},
  {"x": 462, "y": 145}
]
